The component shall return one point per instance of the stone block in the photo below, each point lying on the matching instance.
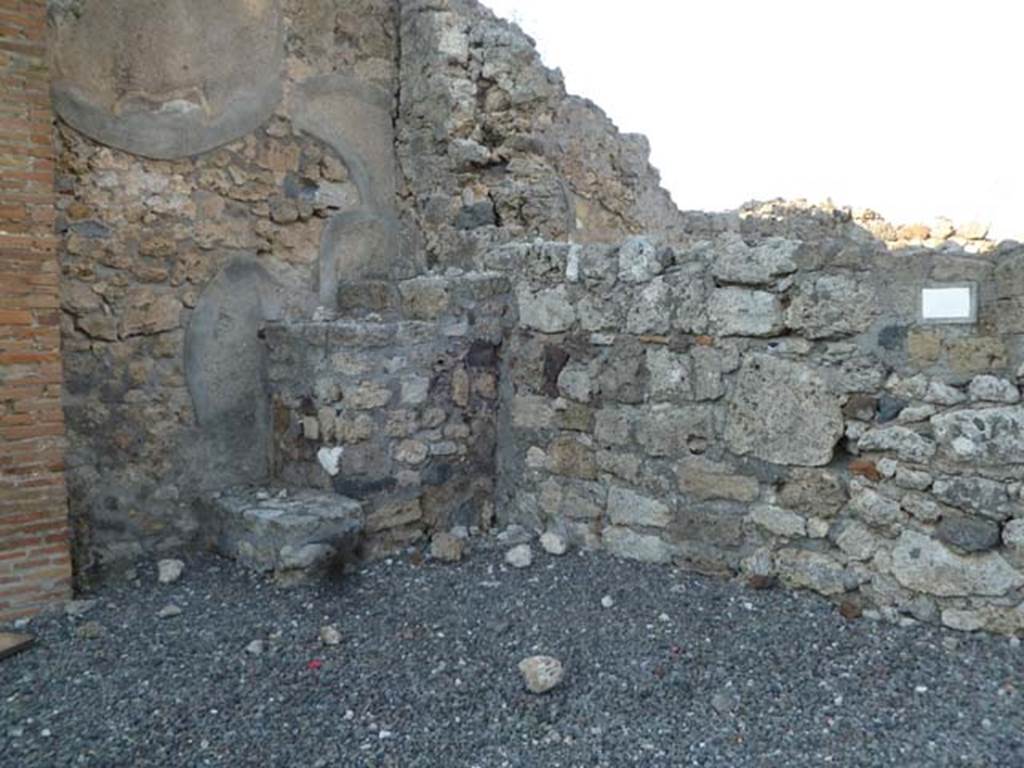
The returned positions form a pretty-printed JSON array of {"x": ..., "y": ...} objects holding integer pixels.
[
  {"x": 424, "y": 298},
  {"x": 926, "y": 565},
  {"x": 779, "y": 521},
  {"x": 530, "y": 412},
  {"x": 872, "y": 508},
  {"x": 988, "y": 498},
  {"x": 393, "y": 514},
  {"x": 650, "y": 312},
  {"x": 626, "y": 543},
  {"x": 704, "y": 480},
  {"x": 856, "y": 541},
  {"x": 992, "y": 389},
  {"x": 639, "y": 260},
  {"x": 801, "y": 569},
  {"x": 904, "y": 442},
  {"x": 987, "y": 436},
  {"x": 966, "y": 534},
  {"x": 626, "y": 507},
  {"x": 268, "y": 532},
  {"x": 670, "y": 375},
  {"x": 815, "y": 492},
  {"x": 665, "y": 430},
  {"x": 782, "y": 412},
  {"x": 742, "y": 312},
  {"x": 570, "y": 457},
  {"x": 736, "y": 262},
  {"x": 831, "y": 305},
  {"x": 548, "y": 310}
]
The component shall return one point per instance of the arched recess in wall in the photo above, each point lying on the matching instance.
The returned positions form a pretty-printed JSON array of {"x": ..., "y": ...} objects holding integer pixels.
[
  {"x": 355, "y": 119},
  {"x": 226, "y": 374},
  {"x": 166, "y": 78},
  {"x": 356, "y": 246}
]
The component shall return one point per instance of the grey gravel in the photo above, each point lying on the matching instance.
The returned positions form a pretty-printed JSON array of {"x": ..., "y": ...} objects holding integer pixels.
[{"x": 427, "y": 675}]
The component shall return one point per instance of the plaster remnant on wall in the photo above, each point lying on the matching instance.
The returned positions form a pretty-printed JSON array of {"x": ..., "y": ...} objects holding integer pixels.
[{"x": 167, "y": 79}]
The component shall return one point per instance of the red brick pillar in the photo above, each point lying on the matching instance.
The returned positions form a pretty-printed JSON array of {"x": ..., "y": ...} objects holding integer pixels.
[{"x": 35, "y": 564}]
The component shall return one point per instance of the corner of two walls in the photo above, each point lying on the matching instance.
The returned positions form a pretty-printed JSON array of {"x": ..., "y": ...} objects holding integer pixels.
[
  {"x": 173, "y": 257},
  {"x": 745, "y": 392},
  {"x": 170, "y": 262}
]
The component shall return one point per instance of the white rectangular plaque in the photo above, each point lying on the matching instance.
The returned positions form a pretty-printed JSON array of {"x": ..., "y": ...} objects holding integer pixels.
[{"x": 949, "y": 304}]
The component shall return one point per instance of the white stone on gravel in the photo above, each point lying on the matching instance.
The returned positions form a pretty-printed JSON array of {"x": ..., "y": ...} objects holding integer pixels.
[
  {"x": 725, "y": 702},
  {"x": 541, "y": 673},
  {"x": 553, "y": 543},
  {"x": 169, "y": 612},
  {"x": 607, "y": 601},
  {"x": 256, "y": 647},
  {"x": 330, "y": 636},
  {"x": 169, "y": 571},
  {"x": 520, "y": 556}
]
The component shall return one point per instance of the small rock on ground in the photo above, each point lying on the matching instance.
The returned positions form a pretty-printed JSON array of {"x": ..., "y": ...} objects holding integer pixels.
[
  {"x": 553, "y": 543},
  {"x": 447, "y": 548},
  {"x": 330, "y": 636},
  {"x": 256, "y": 647},
  {"x": 541, "y": 673},
  {"x": 520, "y": 556},
  {"x": 169, "y": 612},
  {"x": 169, "y": 571}
]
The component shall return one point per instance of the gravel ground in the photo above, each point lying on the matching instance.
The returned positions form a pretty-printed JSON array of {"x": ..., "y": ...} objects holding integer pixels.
[{"x": 680, "y": 671}]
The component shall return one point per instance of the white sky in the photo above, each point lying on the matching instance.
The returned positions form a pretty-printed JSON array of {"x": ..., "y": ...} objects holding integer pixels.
[{"x": 910, "y": 107}]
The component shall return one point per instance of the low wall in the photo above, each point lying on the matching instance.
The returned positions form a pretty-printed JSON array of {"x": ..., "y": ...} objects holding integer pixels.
[
  {"x": 767, "y": 402},
  {"x": 396, "y": 408}
]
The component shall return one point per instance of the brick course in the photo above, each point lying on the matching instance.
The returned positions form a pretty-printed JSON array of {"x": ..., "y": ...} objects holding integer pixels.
[{"x": 35, "y": 564}]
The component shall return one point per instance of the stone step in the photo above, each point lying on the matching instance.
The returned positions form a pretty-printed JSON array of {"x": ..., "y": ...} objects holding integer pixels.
[{"x": 285, "y": 531}]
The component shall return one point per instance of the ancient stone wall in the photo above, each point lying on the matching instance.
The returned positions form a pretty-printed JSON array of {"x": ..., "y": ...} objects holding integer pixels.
[
  {"x": 493, "y": 149},
  {"x": 35, "y": 566},
  {"x": 397, "y": 408},
  {"x": 170, "y": 266},
  {"x": 768, "y": 402},
  {"x": 193, "y": 209},
  {"x": 410, "y": 269}
]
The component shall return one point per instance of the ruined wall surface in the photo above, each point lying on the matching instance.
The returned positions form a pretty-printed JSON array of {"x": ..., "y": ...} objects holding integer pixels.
[
  {"x": 216, "y": 244},
  {"x": 767, "y": 402},
  {"x": 403, "y": 136},
  {"x": 397, "y": 408},
  {"x": 35, "y": 567},
  {"x": 400, "y": 287},
  {"x": 492, "y": 148}
]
